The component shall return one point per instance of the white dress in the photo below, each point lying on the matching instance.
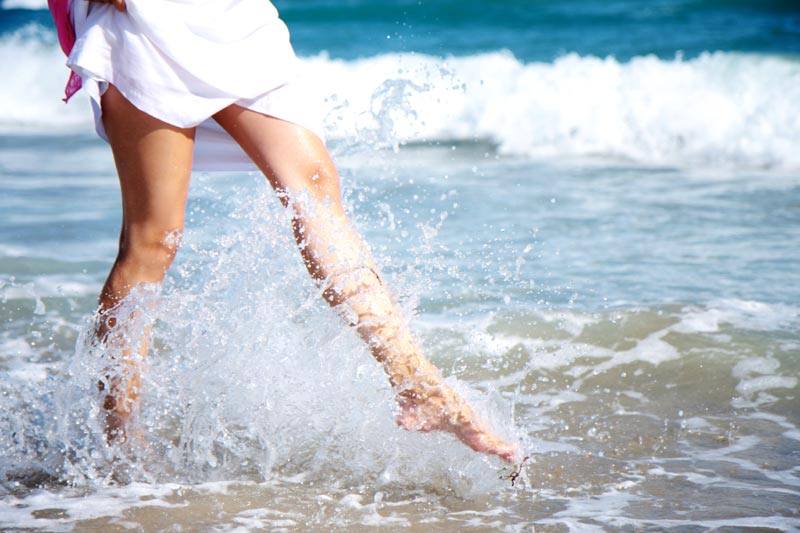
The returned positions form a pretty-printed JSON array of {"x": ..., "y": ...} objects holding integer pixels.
[{"x": 181, "y": 61}]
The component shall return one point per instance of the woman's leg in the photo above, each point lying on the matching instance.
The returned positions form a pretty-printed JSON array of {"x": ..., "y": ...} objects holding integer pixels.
[
  {"x": 154, "y": 162},
  {"x": 298, "y": 166}
]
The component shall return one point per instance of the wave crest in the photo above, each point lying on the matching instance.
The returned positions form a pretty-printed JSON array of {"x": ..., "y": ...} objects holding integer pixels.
[{"x": 720, "y": 108}]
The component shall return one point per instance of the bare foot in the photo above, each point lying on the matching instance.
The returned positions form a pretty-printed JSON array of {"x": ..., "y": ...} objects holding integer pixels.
[{"x": 439, "y": 408}]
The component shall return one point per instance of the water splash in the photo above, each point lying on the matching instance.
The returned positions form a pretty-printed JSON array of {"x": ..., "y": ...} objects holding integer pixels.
[{"x": 249, "y": 376}]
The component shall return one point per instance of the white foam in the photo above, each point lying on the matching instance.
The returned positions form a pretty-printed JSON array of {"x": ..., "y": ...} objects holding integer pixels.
[
  {"x": 600, "y": 507},
  {"x": 572, "y": 323},
  {"x": 17, "y": 347},
  {"x": 72, "y": 506},
  {"x": 748, "y": 387},
  {"x": 792, "y": 431},
  {"x": 23, "y": 4},
  {"x": 695, "y": 423},
  {"x": 717, "y": 109},
  {"x": 652, "y": 349},
  {"x": 756, "y": 376},
  {"x": 253, "y": 519},
  {"x": 10, "y": 250},
  {"x": 744, "y": 314},
  {"x": 755, "y": 365},
  {"x": 34, "y": 77},
  {"x": 29, "y": 373},
  {"x": 49, "y": 286}
]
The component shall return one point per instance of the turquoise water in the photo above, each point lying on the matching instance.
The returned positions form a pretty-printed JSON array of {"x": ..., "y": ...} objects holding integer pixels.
[
  {"x": 591, "y": 210},
  {"x": 543, "y": 30},
  {"x": 534, "y": 30}
]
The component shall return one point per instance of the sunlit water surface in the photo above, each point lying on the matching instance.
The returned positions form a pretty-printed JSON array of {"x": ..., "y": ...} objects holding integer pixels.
[{"x": 634, "y": 326}]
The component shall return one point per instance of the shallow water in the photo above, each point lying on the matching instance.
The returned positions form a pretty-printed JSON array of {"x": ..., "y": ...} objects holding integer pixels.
[
  {"x": 607, "y": 326},
  {"x": 589, "y": 210}
]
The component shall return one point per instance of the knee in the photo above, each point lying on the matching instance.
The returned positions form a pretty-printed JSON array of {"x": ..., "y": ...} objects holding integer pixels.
[
  {"x": 313, "y": 179},
  {"x": 324, "y": 181},
  {"x": 149, "y": 251}
]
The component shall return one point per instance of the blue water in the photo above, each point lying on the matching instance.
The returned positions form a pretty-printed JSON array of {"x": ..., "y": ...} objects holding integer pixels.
[
  {"x": 532, "y": 30},
  {"x": 590, "y": 211},
  {"x": 543, "y": 30}
]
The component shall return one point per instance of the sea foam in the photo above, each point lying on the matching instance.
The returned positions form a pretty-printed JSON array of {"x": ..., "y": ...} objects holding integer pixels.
[
  {"x": 23, "y": 4},
  {"x": 720, "y": 108}
]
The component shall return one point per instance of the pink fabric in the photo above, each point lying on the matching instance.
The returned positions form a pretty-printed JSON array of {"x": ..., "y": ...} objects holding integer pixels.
[{"x": 59, "y": 9}]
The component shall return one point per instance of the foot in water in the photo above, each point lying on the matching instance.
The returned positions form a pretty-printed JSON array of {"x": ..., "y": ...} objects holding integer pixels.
[{"x": 439, "y": 408}]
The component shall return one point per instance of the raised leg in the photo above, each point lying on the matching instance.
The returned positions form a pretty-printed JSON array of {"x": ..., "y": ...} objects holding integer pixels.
[
  {"x": 153, "y": 161},
  {"x": 299, "y": 168}
]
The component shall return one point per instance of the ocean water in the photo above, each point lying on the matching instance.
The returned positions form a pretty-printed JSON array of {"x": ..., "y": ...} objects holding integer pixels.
[{"x": 590, "y": 211}]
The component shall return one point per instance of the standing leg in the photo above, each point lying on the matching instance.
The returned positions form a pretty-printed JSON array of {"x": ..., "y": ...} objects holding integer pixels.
[
  {"x": 299, "y": 168},
  {"x": 154, "y": 162}
]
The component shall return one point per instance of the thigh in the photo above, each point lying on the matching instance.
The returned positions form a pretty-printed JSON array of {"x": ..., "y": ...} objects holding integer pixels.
[
  {"x": 154, "y": 162},
  {"x": 292, "y": 157},
  {"x": 296, "y": 161}
]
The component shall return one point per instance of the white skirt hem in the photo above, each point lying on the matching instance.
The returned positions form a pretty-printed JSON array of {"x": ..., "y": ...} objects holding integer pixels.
[{"x": 107, "y": 48}]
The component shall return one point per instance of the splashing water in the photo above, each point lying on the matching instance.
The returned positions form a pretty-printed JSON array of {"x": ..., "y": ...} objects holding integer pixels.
[
  {"x": 239, "y": 386},
  {"x": 634, "y": 325}
]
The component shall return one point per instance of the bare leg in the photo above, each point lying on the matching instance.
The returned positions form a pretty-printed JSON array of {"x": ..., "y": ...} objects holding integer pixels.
[
  {"x": 298, "y": 166},
  {"x": 154, "y": 161}
]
